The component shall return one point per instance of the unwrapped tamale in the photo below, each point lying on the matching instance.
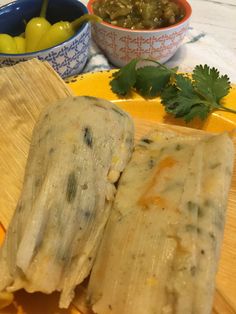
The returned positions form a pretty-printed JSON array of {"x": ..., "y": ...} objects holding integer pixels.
[
  {"x": 161, "y": 246},
  {"x": 79, "y": 148}
]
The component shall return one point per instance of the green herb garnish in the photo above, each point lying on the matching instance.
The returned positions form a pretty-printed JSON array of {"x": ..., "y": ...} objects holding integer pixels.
[{"x": 182, "y": 96}]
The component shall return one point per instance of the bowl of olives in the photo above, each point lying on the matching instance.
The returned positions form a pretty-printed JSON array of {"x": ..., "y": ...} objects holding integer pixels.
[
  {"x": 152, "y": 29},
  {"x": 55, "y": 31}
]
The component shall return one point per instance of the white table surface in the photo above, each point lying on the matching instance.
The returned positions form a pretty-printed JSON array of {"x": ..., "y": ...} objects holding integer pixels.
[{"x": 216, "y": 18}]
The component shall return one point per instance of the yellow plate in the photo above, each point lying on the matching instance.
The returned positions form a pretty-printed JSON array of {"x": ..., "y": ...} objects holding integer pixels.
[
  {"x": 145, "y": 114},
  {"x": 97, "y": 84}
]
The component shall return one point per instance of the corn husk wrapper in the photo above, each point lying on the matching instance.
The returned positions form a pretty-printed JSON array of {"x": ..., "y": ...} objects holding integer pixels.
[{"x": 25, "y": 89}]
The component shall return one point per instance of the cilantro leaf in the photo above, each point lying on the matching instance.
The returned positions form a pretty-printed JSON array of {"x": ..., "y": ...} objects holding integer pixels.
[
  {"x": 168, "y": 98},
  {"x": 197, "y": 111},
  {"x": 182, "y": 101},
  {"x": 181, "y": 106},
  {"x": 124, "y": 79},
  {"x": 181, "y": 96},
  {"x": 210, "y": 84},
  {"x": 151, "y": 80},
  {"x": 184, "y": 84}
]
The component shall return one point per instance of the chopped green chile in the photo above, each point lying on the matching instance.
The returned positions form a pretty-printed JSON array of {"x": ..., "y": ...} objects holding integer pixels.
[
  {"x": 88, "y": 138},
  {"x": 139, "y": 14},
  {"x": 71, "y": 187}
]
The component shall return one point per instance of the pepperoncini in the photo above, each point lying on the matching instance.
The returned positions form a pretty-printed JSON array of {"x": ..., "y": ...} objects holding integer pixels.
[
  {"x": 20, "y": 44},
  {"x": 36, "y": 28},
  {"x": 11, "y": 45},
  {"x": 40, "y": 34},
  {"x": 62, "y": 31},
  {"x": 7, "y": 44}
]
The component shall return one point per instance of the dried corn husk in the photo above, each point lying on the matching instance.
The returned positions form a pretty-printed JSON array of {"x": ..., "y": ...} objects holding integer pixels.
[{"x": 25, "y": 90}]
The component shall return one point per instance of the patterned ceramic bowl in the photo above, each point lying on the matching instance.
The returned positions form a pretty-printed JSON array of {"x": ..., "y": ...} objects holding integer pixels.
[
  {"x": 67, "y": 58},
  {"x": 122, "y": 45}
]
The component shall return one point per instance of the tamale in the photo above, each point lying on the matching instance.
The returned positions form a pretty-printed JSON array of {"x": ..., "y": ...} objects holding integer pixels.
[
  {"x": 161, "y": 246},
  {"x": 79, "y": 148}
]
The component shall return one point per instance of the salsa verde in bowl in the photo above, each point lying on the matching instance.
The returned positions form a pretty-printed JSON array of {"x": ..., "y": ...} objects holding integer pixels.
[{"x": 122, "y": 44}]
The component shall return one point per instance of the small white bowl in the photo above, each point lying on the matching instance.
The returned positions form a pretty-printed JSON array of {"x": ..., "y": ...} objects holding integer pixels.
[
  {"x": 121, "y": 45},
  {"x": 67, "y": 58}
]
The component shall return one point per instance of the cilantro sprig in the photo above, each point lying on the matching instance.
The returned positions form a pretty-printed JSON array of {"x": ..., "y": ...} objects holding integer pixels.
[{"x": 182, "y": 96}]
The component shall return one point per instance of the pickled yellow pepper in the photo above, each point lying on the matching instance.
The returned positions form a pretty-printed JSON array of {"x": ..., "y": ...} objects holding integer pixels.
[
  {"x": 40, "y": 34},
  {"x": 11, "y": 45},
  {"x": 7, "y": 44},
  {"x": 36, "y": 28},
  {"x": 62, "y": 31},
  {"x": 20, "y": 44}
]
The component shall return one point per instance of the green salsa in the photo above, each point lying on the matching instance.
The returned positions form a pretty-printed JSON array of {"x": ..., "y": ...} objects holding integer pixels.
[{"x": 139, "y": 14}]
